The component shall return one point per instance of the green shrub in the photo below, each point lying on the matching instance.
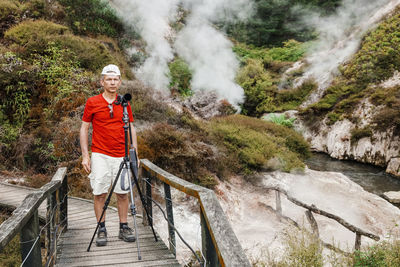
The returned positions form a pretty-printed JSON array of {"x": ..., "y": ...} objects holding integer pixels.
[
  {"x": 8, "y": 9},
  {"x": 358, "y": 133},
  {"x": 182, "y": 153},
  {"x": 384, "y": 254},
  {"x": 91, "y": 54},
  {"x": 258, "y": 88},
  {"x": 258, "y": 144},
  {"x": 379, "y": 55},
  {"x": 280, "y": 119},
  {"x": 303, "y": 250},
  {"x": 180, "y": 76},
  {"x": 34, "y": 34},
  {"x": 92, "y": 17},
  {"x": 16, "y": 79},
  {"x": 292, "y": 51},
  {"x": 288, "y": 99}
]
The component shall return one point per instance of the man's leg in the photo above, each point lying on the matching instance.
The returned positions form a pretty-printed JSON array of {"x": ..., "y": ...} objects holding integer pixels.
[
  {"x": 99, "y": 201},
  {"x": 125, "y": 232},
  {"x": 123, "y": 206}
]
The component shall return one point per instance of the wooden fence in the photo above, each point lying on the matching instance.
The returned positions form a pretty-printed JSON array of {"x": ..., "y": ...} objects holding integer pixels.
[
  {"x": 219, "y": 243},
  {"x": 25, "y": 220},
  {"x": 310, "y": 209}
]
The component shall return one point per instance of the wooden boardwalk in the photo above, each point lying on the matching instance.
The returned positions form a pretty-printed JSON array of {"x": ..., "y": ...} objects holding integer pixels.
[{"x": 81, "y": 225}]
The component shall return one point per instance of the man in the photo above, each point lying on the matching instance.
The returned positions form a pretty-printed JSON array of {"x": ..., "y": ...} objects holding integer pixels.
[{"x": 108, "y": 150}]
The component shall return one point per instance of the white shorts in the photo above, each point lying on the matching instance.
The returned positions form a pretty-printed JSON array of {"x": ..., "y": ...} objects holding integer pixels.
[{"x": 104, "y": 170}]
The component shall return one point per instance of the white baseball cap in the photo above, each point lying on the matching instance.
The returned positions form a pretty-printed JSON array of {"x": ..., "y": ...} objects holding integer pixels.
[{"x": 111, "y": 70}]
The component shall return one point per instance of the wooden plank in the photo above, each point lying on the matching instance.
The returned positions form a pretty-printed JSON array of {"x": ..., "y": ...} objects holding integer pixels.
[
  {"x": 99, "y": 260},
  {"x": 111, "y": 239},
  {"x": 169, "y": 263},
  {"x": 114, "y": 251},
  {"x": 147, "y": 263},
  {"x": 81, "y": 248}
]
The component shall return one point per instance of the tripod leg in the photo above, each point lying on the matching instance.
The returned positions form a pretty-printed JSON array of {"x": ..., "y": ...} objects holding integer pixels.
[
  {"x": 133, "y": 212},
  {"x": 107, "y": 202},
  {"x": 143, "y": 201}
]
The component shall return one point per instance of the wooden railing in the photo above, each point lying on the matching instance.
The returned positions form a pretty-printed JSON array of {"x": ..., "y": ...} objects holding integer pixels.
[
  {"x": 25, "y": 220},
  {"x": 219, "y": 243},
  {"x": 310, "y": 209}
]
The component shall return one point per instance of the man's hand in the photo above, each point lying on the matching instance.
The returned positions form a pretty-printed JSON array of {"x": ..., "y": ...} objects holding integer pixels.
[{"x": 86, "y": 164}]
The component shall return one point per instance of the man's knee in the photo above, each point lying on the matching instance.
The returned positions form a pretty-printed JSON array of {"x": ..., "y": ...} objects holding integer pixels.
[
  {"x": 122, "y": 197},
  {"x": 100, "y": 198}
]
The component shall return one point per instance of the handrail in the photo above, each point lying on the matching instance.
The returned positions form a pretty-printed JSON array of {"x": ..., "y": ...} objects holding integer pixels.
[
  {"x": 220, "y": 244},
  {"x": 25, "y": 219},
  {"x": 309, "y": 214}
]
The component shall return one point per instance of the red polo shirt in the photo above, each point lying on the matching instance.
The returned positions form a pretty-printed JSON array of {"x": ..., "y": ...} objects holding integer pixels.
[{"x": 108, "y": 133}]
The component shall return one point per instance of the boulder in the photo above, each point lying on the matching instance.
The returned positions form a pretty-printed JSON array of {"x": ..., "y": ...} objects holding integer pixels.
[{"x": 392, "y": 196}]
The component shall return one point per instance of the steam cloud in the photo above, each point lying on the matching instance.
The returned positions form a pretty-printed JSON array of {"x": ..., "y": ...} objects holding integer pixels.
[
  {"x": 151, "y": 18},
  {"x": 207, "y": 51},
  {"x": 340, "y": 36}
]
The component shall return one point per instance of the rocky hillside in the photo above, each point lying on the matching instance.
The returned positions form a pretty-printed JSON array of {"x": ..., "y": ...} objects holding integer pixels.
[
  {"x": 358, "y": 115},
  {"x": 50, "y": 57}
]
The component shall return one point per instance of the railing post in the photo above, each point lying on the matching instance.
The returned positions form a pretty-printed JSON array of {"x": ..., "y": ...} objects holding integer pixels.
[
  {"x": 208, "y": 247},
  {"x": 313, "y": 223},
  {"x": 170, "y": 216},
  {"x": 278, "y": 202},
  {"x": 357, "y": 244},
  {"x": 63, "y": 195},
  {"x": 147, "y": 199},
  {"x": 29, "y": 233}
]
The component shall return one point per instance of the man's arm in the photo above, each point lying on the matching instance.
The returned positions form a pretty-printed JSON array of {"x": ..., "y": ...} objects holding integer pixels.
[{"x": 84, "y": 139}]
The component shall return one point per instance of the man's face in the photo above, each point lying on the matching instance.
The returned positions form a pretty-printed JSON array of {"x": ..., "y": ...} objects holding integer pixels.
[{"x": 111, "y": 83}]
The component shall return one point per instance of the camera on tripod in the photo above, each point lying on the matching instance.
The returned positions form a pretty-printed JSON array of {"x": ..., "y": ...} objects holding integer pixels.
[{"x": 123, "y": 100}]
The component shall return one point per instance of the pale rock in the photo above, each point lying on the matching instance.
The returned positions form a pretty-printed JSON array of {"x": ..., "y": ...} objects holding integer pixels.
[
  {"x": 381, "y": 149},
  {"x": 392, "y": 196},
  {"x": 393, "y": 81},
  {"x": 394, "y": 166}
]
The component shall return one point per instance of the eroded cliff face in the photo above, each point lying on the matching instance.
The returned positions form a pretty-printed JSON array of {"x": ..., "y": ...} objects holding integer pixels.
[{"x": 381, "y": 148}]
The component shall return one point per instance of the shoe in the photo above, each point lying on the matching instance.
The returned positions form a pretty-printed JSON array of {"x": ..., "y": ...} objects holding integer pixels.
[
  {"x": 101, "y": 239},
  {"x": 126, "y": 234}
]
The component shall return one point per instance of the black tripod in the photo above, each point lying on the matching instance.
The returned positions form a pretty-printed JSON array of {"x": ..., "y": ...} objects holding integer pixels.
[{"x": 128, "y": 166}]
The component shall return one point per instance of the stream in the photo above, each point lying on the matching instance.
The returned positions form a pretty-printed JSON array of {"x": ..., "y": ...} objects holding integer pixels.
[{"x": 373, "y": 179}]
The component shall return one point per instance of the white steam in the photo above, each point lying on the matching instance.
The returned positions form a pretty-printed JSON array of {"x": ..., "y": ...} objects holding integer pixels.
[
  {"x": 207, "y": 51},
  {"x": 151, "y": 18},
  {"x": 340, "y": 36}
]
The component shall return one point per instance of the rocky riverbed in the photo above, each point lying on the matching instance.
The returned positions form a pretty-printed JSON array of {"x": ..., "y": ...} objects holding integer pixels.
[{"x": 250, "y": 207}]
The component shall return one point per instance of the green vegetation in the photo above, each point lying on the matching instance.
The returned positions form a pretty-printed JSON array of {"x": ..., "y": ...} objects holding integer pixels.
[
  {"x": 92, "y": 17},
  {"x": 280, "y": 120},
  {"x": 274, "y": 22},
  {"x": 260, "y": 77},
  {"x": 303, "y": 249},
  {"x": 357, "y": 134},
  {"x": 258, "y": 144},
  {"x": 180, "y": 76},
  {"x": 382, "y": 254},
  {"x": 376, "y": 61}
]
